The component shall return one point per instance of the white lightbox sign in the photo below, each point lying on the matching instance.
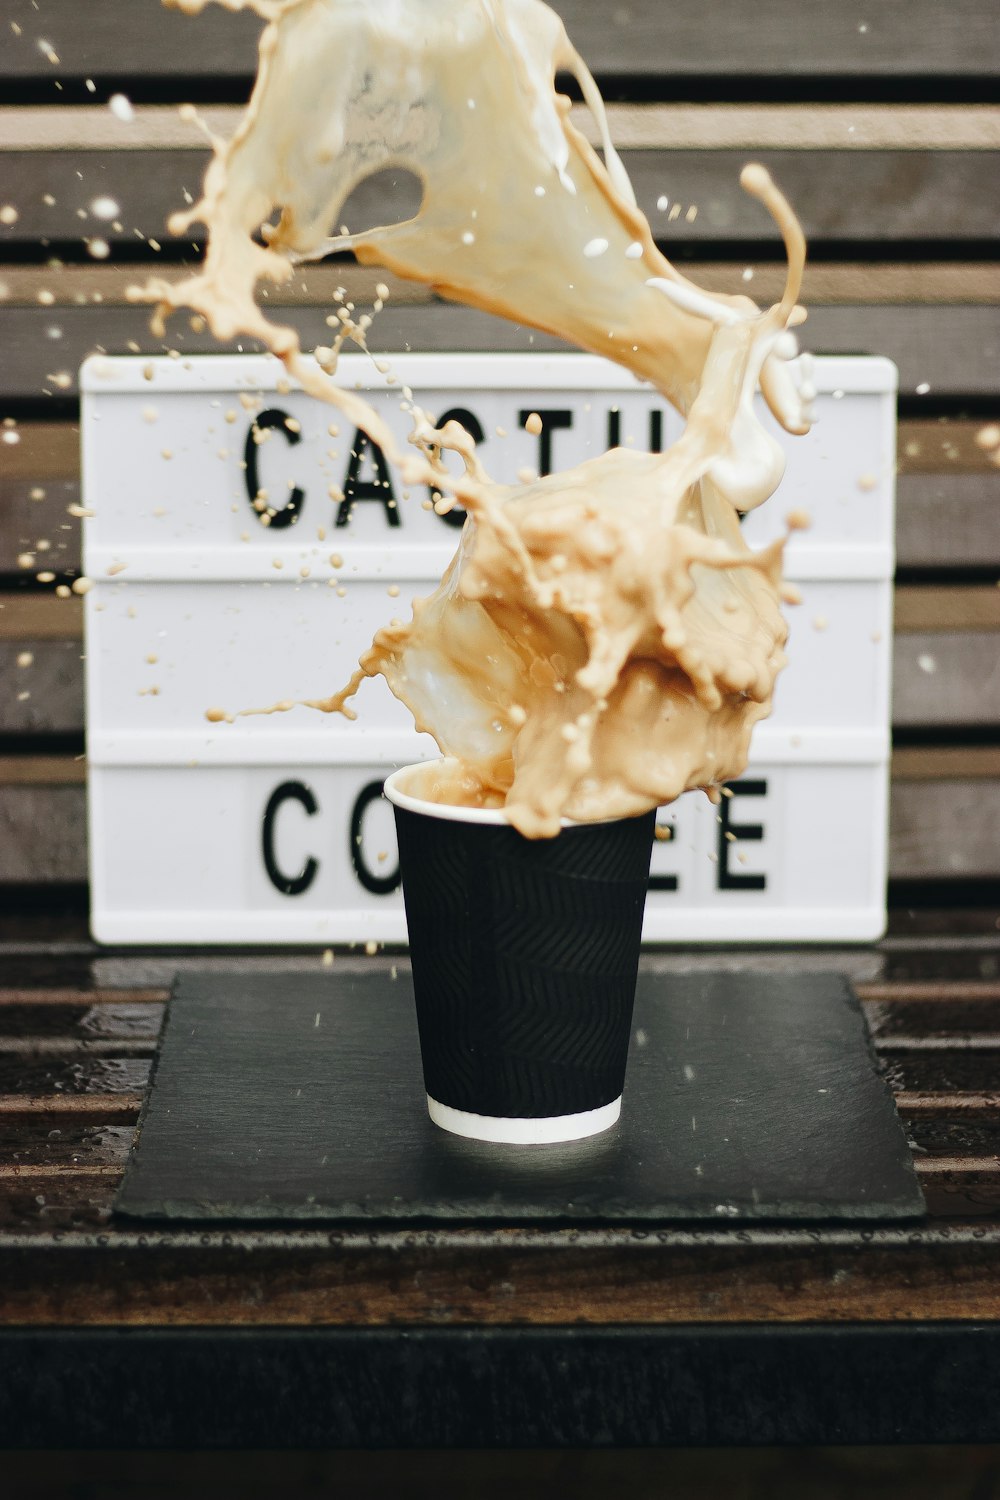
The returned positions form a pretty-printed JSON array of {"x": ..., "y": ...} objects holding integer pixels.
[{"x": 271, "y": 829}]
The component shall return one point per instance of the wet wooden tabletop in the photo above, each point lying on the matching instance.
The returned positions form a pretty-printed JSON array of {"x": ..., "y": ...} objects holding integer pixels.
[{"x": 78, "y": 1030}]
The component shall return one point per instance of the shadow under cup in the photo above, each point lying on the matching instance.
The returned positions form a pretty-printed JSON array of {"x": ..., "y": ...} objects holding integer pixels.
[{"x": 525, "y": 954}]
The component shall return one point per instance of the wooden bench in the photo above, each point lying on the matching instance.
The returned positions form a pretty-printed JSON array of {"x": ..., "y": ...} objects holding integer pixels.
[{"x": 878, "y": 122}]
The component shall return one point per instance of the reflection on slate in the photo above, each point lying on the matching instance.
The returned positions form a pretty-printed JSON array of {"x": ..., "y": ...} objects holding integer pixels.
[{"x": 749, "y": 1097}]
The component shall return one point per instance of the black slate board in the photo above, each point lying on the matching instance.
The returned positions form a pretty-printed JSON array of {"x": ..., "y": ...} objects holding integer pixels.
[{"x": 750, "y": 1096}]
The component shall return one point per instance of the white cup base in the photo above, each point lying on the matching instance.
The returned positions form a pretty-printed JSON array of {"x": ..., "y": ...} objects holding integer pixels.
[{"x": 517, "y": 1131}]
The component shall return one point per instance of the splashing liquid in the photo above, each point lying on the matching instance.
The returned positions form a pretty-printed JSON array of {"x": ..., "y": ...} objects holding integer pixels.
[{"x": 603, "y": 639}]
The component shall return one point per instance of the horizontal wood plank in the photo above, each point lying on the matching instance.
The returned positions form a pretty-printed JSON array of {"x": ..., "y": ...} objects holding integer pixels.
[
  {"x": 853, "y": 126},
  {"x": 109, "y": 1109},
  {"x": 40, "y": 617},
  {"x": 971, "y": 608},
  {"x": 47, "y": 451},
  {"x": 947, "y": 520},
  {"x": 481, "y": 1279},
  {"x": 41, "y": 686},
  {"x": 943, "y": 679},
  {"x": 43, "y": 834},
  {"x": 928, "y": 763},
  {"x": 946, "y": 678},
  {"x": 975, "y": 282},
  {"x": 910, "y": 38},
  {"x": 945, "y": 829},
  {"x": 918, "y": 608},
  {"x": 942, "y": 521},
  {"x": 858, "y": 196},
  {"x": 950, "y": 350},
  {"x": 942, "y": 826}
]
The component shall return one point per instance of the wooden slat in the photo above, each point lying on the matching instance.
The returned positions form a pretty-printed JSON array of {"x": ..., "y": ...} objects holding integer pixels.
[
  {"x": 43, "y": 833},
  {"x": 946, "y": 678},
  {"x": 954, "y": 350},
  {"x": 40, "y": 617},
  {"x": 948, "y": 520},
  {"x": 44, "y": 450},
  {"x": 943, "y": 1071},
  {"x": 858, "y": 196},
  {"x": 942, "y": 826},
  {"x": 46, "y": 695},
  {"x": 943, "y": 445},
  {"x": 83, "y": 1023},
  {"x": 37, "y": 1047},
  {"x": 51, "y": 450},
  {"x": 488, "y": 1279},
  {"x": 853, "y": 126},
  {"x": 121, "y": 1109},
  {"x": 31, "y": 1148},
  {"x": 54, "y": 997},
  {"x": 908, "y": 38},
  {"x": 42, "y": 770},
  {"x": 940, "y": 679},
  {"x": 86, "y": 1075},
  {"x": 825, "y": 282},
  {"x": 932, "y": 1106},
  {"x": 925, "y": 991},
  {"x": 949, "y": 609},
  {"x": 943, "y": 520}
]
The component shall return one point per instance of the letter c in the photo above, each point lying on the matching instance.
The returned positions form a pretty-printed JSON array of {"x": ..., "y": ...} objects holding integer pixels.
[{"x": 288, "y": 885}]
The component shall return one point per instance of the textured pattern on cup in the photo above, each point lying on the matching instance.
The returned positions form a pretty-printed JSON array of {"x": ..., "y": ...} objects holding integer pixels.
[{"x": 525, "y": 954}]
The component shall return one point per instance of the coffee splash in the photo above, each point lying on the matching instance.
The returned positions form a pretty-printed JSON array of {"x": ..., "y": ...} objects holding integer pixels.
[{"x": 603, "y": 639}]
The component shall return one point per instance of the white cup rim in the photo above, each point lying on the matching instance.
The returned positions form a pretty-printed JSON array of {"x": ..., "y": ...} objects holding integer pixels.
[{"x": 447, "y": 812}]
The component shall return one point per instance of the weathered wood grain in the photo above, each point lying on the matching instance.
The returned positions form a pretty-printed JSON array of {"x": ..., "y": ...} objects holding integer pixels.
[
  {"x": 853, "y": 126},
  {"x": 912, "y": 38},
  {"x": 41, "y": 687},
  {"x": 862, "y": 197},
  {"x": 941, "y": 827},
  {"x": 918, "y": 608},
  {"x": 947, "y": 520},
  {"x": 40, "y": 617},
  {"x": 940, "y": 678},
  {"x": 43, "y": 834},
  {"x": 952, "y": 350},
  {"x": 933, "y": 446},
  {"x": 945, "y": 829},
  {"x": 459, "y": 1280},
  {"x": 970, "y": 607},
  {"x": 974, "y": 282},
  {"x": 942, "y": 521},
  {"x": 109, "y": 1109},
  {"x": 946, "y": 678},
  {"x": 926, "y": 763},
  {"x": 902, "y": 993}
]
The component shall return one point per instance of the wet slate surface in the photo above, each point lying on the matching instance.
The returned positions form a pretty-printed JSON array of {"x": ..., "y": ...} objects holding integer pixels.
[{"x": 299, "y": 1097}]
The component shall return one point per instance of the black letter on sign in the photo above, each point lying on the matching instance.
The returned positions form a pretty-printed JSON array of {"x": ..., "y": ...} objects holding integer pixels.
[
  {"x": 750, "y": 832},
  {"x": 665, "y": 882},
  {"x": 655, "y": 429},
  {"x": 356, "y": 488},
  {"x": 551, "y": 420},
  {"x": 288, "y": 514},
  {"x": 288, "y": 885},
  {"x": 473, "y": 426},
  {"x": 379, "y": 885}
]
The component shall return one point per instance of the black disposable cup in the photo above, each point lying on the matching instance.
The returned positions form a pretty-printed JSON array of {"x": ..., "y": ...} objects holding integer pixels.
[{"x": 525, "y": 954}]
